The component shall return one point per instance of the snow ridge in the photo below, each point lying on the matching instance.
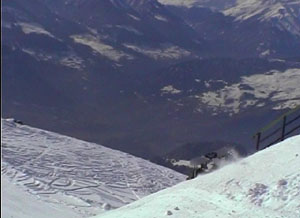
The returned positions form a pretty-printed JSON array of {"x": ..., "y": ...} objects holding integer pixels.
[{"x": 266, "y": 184}]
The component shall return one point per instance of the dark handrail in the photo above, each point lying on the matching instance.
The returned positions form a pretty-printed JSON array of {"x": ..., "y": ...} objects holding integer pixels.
[
  {"x": 271, "y": 134},
  {"x": 273, "y": 123},
  {"x": 285, "y": 123},
  {"x": 291, "y": 121},
  {"x": 292, "y": 130}
]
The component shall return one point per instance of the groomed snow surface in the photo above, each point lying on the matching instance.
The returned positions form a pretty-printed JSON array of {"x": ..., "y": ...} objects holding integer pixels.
[
  {"x": 265, "y": 185},
  {"x": 48, "y": 175},
  {"x": 17, "y": 203},
  {"x": 44, "y": 171}
]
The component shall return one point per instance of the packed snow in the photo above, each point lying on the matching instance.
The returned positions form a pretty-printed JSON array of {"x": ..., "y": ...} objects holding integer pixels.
[
  {"x": 213, "y": 4},
  {"x": 64, "y": 173},
  {"x": 72, "y": 61},
  {"x": 285, "y": 12},
  {"x": 279, "y": 87},
  {"x": 68, "y": 59},
  {"x": 18, "y": 203},
  {"x": 170, "y": 90},
  {"x": 134, "y": 17},
  {"x": 130, "y": 29},
  {"x": 38, "y": 55},
  {"x": 100, "y": 47},
  {"x": 165, "y": 51},
  {"x": 161, "y": 18},
  {"x": 29, "y": 28},
  {"x": 185, "y": 3},
  {"x": 264, "y": 185}
]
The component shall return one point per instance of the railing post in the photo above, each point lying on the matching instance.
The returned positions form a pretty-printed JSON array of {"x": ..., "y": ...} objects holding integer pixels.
[
  {"x": 283, "y": 128},
  {"x": 258, "y": 135}
]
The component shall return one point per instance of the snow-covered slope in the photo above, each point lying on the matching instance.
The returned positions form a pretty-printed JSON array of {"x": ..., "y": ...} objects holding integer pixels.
[
  {"x": 266, "y": 184},
  {"x": 18, "y": 203},
  {"x": 64, "y": 173},
  {"x": 284, "y": 13},
  {"x": 186, "y": 3},
  {"x": 214, "y": 4}
]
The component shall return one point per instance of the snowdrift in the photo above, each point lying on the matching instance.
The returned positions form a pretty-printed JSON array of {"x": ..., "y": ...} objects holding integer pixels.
[{"x": 266, "y": 184}]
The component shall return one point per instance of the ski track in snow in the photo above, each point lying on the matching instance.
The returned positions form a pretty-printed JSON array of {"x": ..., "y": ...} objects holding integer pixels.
[{"x": 77, "y": 174}]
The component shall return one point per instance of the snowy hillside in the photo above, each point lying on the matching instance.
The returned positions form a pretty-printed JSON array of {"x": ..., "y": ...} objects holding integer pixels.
[
  {"x": 215, "y": 4},
  {"x": 281, "y": 88},
  {"x": 266, "y": 184},
  {"x": 70, "y": 175},
  {"x": 284, "y": 13},
  {"x": 18, "y": 203}
]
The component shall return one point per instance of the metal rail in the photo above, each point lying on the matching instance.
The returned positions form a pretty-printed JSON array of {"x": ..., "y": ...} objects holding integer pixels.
[{"x": 283, "y": 129}]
